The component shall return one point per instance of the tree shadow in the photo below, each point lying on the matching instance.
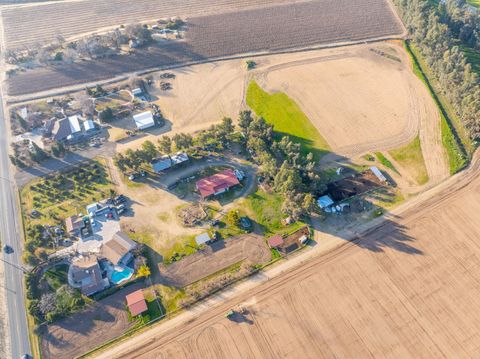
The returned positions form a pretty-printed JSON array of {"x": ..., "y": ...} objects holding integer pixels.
[
  {"x": 388, "y": 233},
  {"x": 70, "y": 160}
]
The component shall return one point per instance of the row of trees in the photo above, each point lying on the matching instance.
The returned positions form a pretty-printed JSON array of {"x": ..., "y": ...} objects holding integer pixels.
[
  {"x": 438, "y": 31},
  {"x": 463, "y": 21},
  {"x": 217, "y": 136}
]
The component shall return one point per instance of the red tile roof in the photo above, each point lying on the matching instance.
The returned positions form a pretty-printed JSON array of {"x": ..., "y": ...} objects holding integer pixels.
[
  {"x": 217, "y": 183},
  {"x": 275, "y": 241},
  {"x": 136, "y": 302}
]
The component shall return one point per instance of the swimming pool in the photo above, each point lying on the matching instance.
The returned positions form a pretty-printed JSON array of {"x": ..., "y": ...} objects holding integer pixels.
[{"x": 121, "y": 274}]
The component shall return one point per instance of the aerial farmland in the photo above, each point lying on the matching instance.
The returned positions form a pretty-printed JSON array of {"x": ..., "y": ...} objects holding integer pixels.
[
  {"x": 397, "y": 291},
  {"x": 239, "y": 178},
  {"x": 219, "y": 35}
]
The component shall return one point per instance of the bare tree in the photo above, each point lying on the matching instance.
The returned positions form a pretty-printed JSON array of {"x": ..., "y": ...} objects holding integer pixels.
[
  {"x": 86, "y": 104},
  {"x": 70, "y": 55}
]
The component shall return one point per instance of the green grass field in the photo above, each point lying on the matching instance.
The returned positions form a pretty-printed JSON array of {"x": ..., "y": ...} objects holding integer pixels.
[
  {"x": 266, "y": 209},
  {"x": 384, "y": 161},
  {"x": 411, "y": 158},
  {"x": 287, "y": 119}
]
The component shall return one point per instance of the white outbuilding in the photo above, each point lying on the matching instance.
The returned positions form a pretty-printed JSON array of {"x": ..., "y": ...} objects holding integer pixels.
[
  {"x": 144, "y": 120},
  {"x": 202, "y": 239},
  {"x": 89, "y": 125}
]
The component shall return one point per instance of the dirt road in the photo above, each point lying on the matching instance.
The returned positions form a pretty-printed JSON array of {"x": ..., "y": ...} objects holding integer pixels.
[{"x": 407, "y": 288}]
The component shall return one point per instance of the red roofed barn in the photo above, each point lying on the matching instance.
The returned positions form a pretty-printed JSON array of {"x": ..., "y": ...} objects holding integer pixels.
[
  {"x": 217, "y": 184},
  {"x": 136, "y": 303}
]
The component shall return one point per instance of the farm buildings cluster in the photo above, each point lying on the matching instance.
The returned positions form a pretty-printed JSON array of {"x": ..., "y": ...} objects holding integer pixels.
[
  {"x": 102, "y": 254},
  {"x": 224, "y": 167},
  {"x": 47, "y": 129}
]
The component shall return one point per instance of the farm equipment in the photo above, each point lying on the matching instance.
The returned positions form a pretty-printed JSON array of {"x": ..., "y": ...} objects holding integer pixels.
[
  {"x": 238, "y": 310},
  {"x": 229, "y": 314}
]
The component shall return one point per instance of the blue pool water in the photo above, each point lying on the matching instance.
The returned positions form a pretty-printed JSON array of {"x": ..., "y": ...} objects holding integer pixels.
[{"x": 119, "y": 276}]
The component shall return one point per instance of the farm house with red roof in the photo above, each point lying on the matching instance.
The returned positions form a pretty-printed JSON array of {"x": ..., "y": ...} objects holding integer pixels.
[
  {"x": 136, "y": 303},
  {"x": 217, "y": 184}
]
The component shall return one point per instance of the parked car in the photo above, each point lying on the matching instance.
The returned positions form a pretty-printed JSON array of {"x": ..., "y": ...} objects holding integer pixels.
[
  {"x": 7, "y": 249},
  {"x": 246, "y": 223},
  {"x": 173, "y": 186},
  {"x": 120, "y": 199}
]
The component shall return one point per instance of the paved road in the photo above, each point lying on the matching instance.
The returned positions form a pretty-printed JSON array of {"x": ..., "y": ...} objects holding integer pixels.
[
  {"x": 10, "y": 235},
  {"x": 61, "y": 164}
]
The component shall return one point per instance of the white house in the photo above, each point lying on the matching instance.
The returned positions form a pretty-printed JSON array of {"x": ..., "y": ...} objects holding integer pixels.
[
  {"x": 144, "y": 120},
  {"x": 66, "y": 129}
]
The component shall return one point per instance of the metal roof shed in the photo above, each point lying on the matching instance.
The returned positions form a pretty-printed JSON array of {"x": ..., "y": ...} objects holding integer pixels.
[
  {"x": 74, "y": 124},
  {"x": 178, "y": 158},
  {"x": 324, "y": 201},
  {"x": 89, "y": 125},
  {"x": 379, "y": 174},
  {"x": 202, "y": 238},
  {"x": 144, "y": 120},
  {"x": 161, "y": 164}
]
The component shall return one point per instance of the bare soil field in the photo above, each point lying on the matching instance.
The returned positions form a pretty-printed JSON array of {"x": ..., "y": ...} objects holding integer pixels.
[
  {"x": 214, "y": 258},
  {"x": 357, "y": 99},
  {"x": 70, "y": 337},
  {"x": 407, "y": 289},
  {"x": 153, "y": 212},
  {"x": 202, "y": 94},
  {"x": 282, "y": 27},
  {"x": 73, "y": 18}
]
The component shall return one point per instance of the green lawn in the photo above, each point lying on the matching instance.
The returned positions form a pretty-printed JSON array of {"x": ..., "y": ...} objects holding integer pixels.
[
  {"x": 411, "y": 158},
  {"x": 287, "y": 118},
  {"x": 179, "y": 247},
  {"x": 265, "y": 209}
]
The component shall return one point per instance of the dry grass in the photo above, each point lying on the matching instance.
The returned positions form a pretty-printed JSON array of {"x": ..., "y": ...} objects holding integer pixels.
[{"x": 411, "y": 158}]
